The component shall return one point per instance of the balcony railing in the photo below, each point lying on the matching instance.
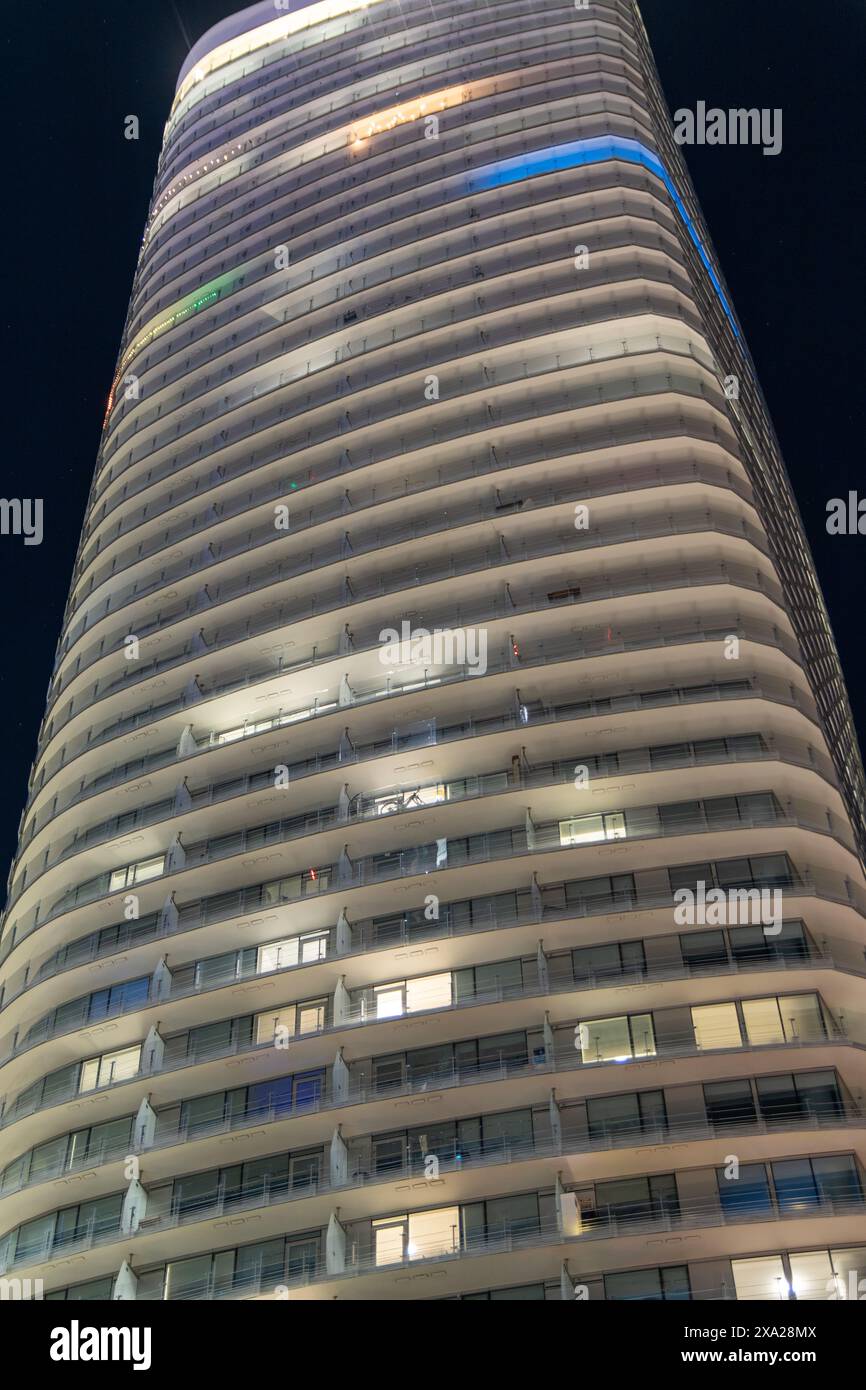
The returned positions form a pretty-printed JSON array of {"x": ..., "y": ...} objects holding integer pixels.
[
  {"x": 474, "y": 560},
  {"x": 69, "y": 1087},
  {"x": 672, "y": 426},
  {"x": 641, "y": 823},
  {"x": 591, "y": 642},
  {"x": 373, "y": 805},
  {"x": 345, "y": 596},
  {"x": 362, "y": 1007},
  {"x": 390, "y": 372},
  {"x": 592, "y": 484},
  {"x": 272, "y": 1190},
  {"x": 500, "y": 1239},
  {"x": 402, "y": 738}
]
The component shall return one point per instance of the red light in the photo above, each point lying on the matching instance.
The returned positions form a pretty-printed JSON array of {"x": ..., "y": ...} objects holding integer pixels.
[{"x": 313, "y": 875}]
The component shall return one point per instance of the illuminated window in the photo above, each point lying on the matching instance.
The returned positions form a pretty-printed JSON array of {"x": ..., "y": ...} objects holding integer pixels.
[
  {"x": 802, "y": 1183},
  {"x": 616, "y": 1039},
  {"x": 763, "y": 1022},
  {"x": 648, "y": 1285},
  {"x": 790, "y": 1018},
  {"x": 586, "y": 830},
  {"x": 389, "y": 1001},
  {"x": 421, "y": 1235},
  {"x": 110, "y": 1067},
  {"x": 813, "y": 1276},
  {"x": 430, "y": 992},
  {"x": 390, "y": 1239},
  {"x": 762, "y": 1278},
  {"x": 407, "y": 111},
  {"x": 311, "y": 1016},
  {"x": 277, "y": 955},
  {"x": 268, "y": 1023},
  {"x": 263, "y": 35},
  {"x": 136, "y": 873},
  {"x": 716, "y": 1025},
  {"x": 412, "y": 996}
]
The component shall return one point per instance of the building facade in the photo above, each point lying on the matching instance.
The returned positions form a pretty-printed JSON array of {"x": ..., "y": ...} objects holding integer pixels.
[{"x": 523, "y": 957}]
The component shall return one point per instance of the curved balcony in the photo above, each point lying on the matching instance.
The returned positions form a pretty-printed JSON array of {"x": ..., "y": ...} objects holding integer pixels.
[
  {"x": 271, "y": 1001},
  {"x": 199, "y": 978},
  {"x": 175, "y": 815},
  {"x": 185, "y": 815},
  {"x": 341, "y": 874},
  {"x": 136, "y": 1059},
  {"x": 482, "y": 610},
  {"x": 605, "y": 1221},
  {"x": 346, "y": 558},
  {"x": 161, "y": 292},
  {"x": 496, "y": 398},
  {"x": 362, "y": 651},
  {"x": 346, "y": 546},
  {"x": 783, "y": 699},
  {"x": 477, "y": 108},
  {"x": 419, "y": 462},
  {"x": 526, "y": 1253}
]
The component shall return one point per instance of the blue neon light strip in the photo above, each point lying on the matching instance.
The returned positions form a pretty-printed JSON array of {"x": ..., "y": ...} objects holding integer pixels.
[{"x": 577, "y": 152}]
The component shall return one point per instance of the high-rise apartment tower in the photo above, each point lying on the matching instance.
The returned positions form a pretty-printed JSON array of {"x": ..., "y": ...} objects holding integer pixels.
[{"x": 441, "y": 871}]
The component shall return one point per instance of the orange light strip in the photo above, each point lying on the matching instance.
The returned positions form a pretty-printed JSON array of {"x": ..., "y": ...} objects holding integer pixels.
[
  {"x": 222, "y": 164},
  {"x": 409, "y": 111}
]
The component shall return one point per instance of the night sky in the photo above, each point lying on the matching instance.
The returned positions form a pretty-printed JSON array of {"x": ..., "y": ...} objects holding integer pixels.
[{"x": 788, "y": 230}]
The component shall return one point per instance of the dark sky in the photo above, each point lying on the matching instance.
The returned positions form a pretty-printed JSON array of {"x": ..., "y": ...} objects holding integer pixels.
[{"x": 789, "y": 233}]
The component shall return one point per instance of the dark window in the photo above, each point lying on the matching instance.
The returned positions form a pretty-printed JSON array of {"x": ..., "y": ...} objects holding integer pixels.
[
  {"x": 653, "y": 1285},
  {"x": 609, "y": 1116},
  {"x": 729, "y": 1103},
  {"x": 803, "y": 1182},
  {"x": 745, "y": 1191},
  {"x": 603, "y": 962},
  {"x": 753, "y": 944},
  {"x": 704, "y": 950},
  {"x": 637, "y": 1199}
]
